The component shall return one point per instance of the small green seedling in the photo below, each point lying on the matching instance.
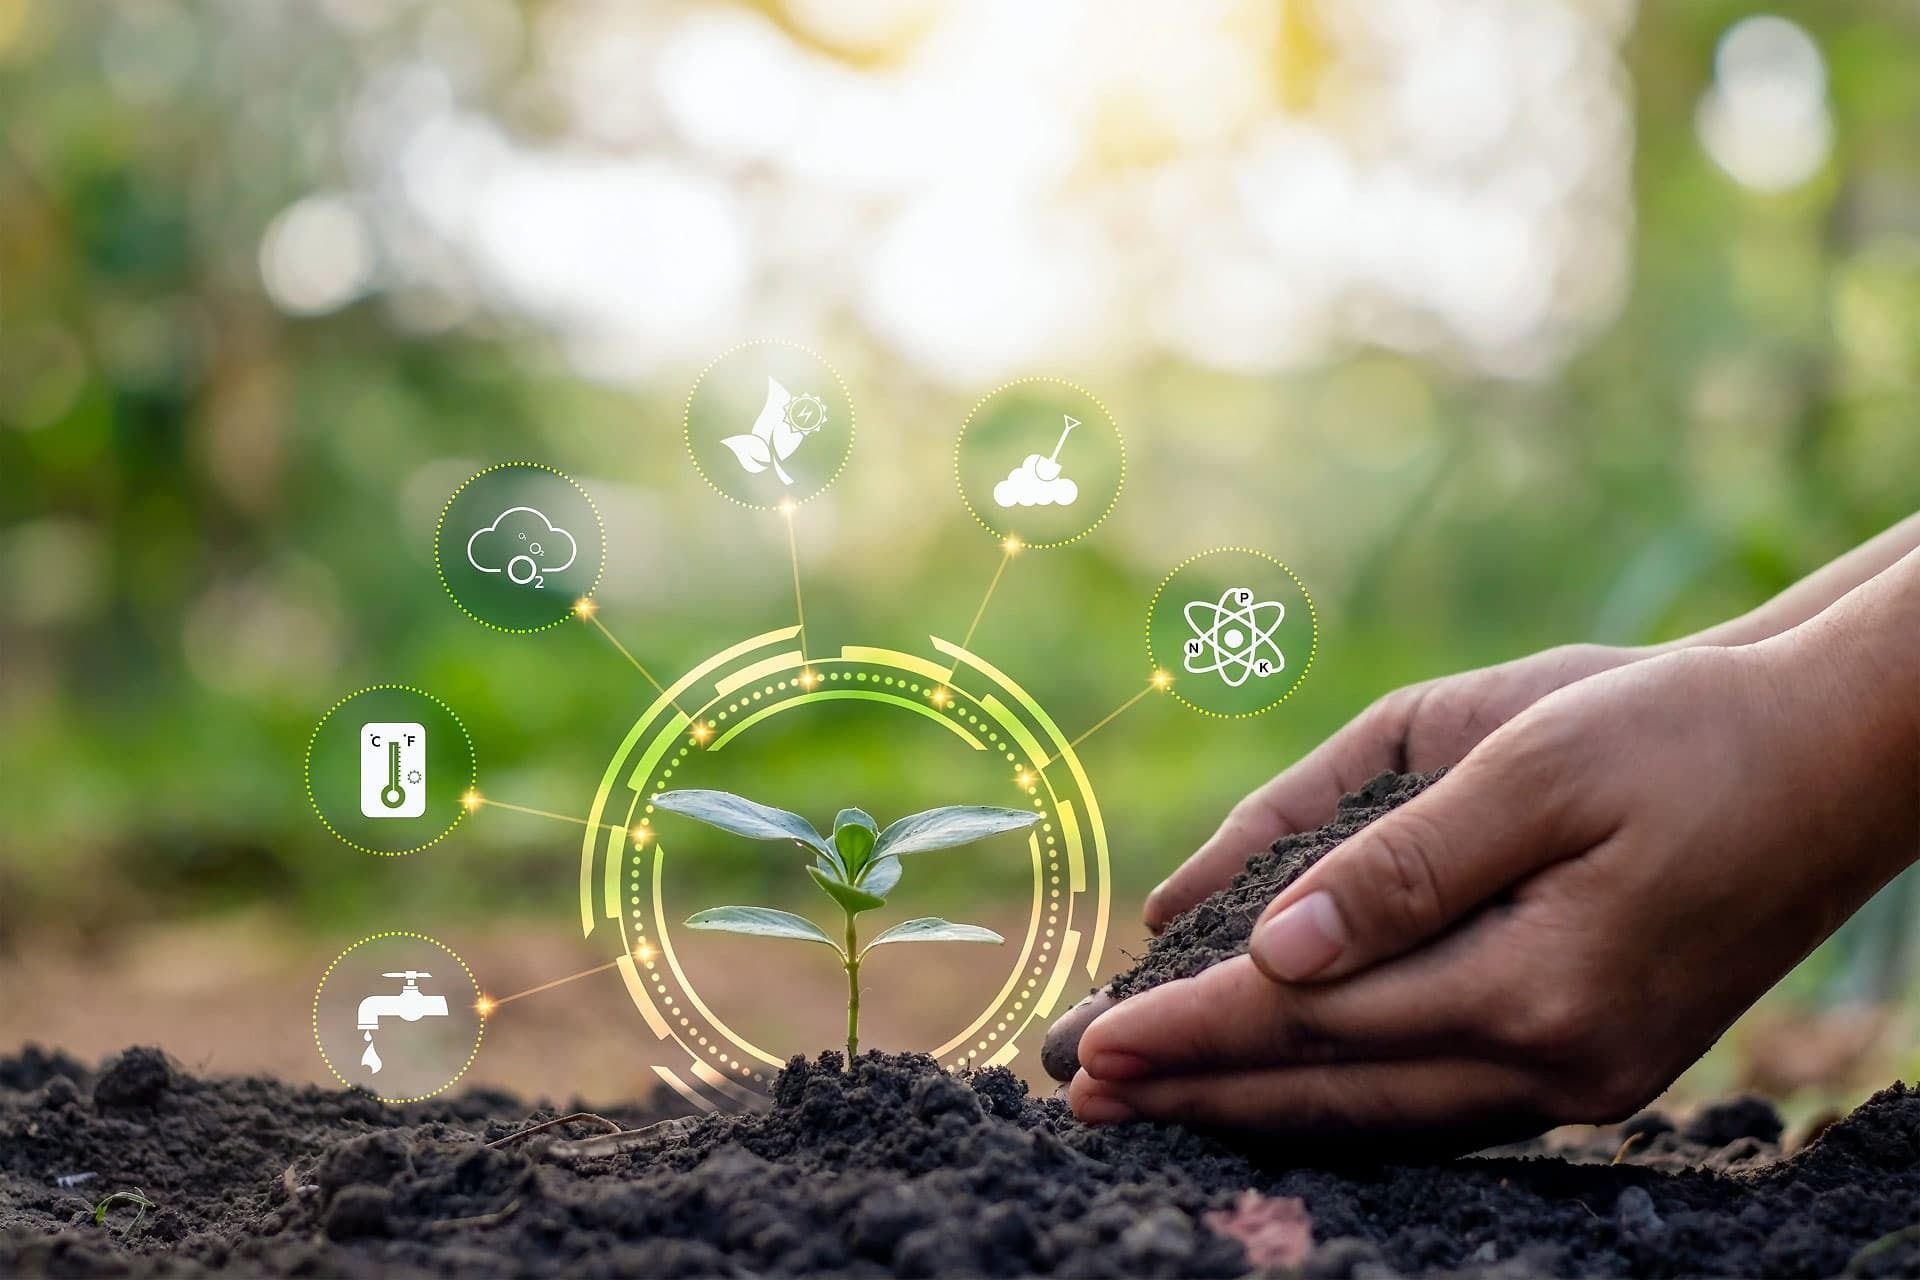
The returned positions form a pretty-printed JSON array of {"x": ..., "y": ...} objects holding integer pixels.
[
  {"x": 857, "y": 867},
  {"x": 135, "y": 1197}
]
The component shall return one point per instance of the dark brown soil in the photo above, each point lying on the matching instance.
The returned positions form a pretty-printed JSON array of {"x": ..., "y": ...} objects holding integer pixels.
[
  {"x": 1217, "y": 928},
  {"x": 899, "y": 1169},
  {"x": 894, "y": 1169}
]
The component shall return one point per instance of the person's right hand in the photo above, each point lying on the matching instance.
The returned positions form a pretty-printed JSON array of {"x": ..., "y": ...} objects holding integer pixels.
[{"x": 1416, "y": 729}]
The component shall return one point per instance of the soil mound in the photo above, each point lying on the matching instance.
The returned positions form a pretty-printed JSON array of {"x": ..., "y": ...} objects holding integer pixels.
[
  {"x": 1217, "y": 927},
  {"x": 894, "y": 1168}
]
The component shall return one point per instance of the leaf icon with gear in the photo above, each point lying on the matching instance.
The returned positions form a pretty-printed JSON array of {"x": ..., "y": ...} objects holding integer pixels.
[{"x": 784, "y": 421}]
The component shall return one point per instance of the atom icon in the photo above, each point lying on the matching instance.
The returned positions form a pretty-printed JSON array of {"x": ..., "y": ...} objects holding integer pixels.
[{"x": 1228, "y": 636}]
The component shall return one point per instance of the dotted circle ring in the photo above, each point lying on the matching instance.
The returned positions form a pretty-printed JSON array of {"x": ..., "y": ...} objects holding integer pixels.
[
  {"x": 686, "y": 420},
  {"x": 479, "y": 1032},
  {"x": 622, "y": 859},
  {"x": 1159, "y": 660},
  {"x": 600, "y": 527},
  {"x": 959, "y": 474},
  {"x": 473, "y": 771}
]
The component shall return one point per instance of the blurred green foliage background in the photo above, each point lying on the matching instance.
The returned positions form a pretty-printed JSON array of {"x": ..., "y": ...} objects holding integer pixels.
[{"x": 243, "y": 362}]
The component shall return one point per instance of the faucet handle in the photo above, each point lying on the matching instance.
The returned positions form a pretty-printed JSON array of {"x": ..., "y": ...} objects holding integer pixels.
[{"x": 409, "y": 974}]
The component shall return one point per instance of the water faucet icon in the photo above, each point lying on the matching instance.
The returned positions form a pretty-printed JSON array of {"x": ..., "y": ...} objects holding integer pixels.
[{"x": 410, "y": 1005}]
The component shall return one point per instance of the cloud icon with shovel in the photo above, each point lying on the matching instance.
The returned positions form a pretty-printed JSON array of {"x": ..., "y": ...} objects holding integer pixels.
[
  {"x": 523, "y": 544},
  {"x": 1040, "y": 481}
]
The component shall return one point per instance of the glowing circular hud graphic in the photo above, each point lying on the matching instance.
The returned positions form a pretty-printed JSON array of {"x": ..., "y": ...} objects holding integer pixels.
[{"x": 748, "y": 690}]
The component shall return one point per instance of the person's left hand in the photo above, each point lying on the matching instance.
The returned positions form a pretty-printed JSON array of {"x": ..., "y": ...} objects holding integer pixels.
[{"x": 1552, "y": 932}]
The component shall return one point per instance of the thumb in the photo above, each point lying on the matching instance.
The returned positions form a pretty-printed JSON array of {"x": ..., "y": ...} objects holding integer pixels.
[
  {"x": 1415, "y": 872},
  {"x": 1302, "y": 797}
]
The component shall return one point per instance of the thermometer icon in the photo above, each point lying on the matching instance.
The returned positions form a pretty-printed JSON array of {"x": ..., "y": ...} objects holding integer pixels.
[
  {"x": 391, "y": 795},
  {"x": 393, "y": 769}
]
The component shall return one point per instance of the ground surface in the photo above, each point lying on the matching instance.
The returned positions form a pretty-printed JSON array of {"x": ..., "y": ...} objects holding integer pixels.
[{"x": 894, "y": 1169}]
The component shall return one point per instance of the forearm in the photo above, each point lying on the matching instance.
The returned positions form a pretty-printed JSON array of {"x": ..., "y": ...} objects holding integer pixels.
[
  {"x": 1811, "y": 595},
  {"x": 1852, "y": 673}
]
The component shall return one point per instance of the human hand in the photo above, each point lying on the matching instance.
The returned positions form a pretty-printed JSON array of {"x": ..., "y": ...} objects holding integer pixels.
[
  {"x": 1556, "y": 929},
  {"x": 1416, "y": 729}
]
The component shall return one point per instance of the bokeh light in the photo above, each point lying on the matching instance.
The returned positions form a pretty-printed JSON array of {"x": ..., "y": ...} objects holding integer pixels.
[{"x": 1765, "y": 118}]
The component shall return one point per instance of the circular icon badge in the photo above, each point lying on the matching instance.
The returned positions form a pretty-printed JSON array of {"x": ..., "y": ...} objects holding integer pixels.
[
  {"x": 1235, "y": 629},
  {"x": 388, "y": 769},
  {"x": 769, "y": 424},
  {"x": 1040, "y": 460},
  {"x": 398, "y": 1015},
  {"x": 518, "y": 545}
]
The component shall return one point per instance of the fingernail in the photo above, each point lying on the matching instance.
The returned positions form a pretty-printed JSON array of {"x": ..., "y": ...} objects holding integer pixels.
[
  {"x": 1113, "y": 1065},
  {"x": 1101, "y": 1109},
  {"x": 1154, "y": 895},
  {"x": 1302, "y": 940},
  {"x": 1060, "y": 1052}
]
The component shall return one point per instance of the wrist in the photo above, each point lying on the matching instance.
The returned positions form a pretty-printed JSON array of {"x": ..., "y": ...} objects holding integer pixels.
[
  {"x": 1746, "y": 629},
  {"x": 1849, "y": 681}
]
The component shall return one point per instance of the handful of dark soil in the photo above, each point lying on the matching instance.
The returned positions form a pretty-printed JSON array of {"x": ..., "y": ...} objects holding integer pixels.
[{"x": 1218, "y": 926}]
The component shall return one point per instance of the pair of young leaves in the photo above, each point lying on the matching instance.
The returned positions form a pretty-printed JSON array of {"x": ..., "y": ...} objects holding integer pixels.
[{"x": 857, "y": 865}]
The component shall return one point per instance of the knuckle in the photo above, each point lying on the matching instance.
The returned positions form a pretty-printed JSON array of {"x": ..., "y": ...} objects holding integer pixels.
[
  {"x": 1298, "y": 1031},
  {"x": 1535, "y": 747},
  {"x": 1448, "y": 703},
  {"x": 1550, "y": 1024},
  {"x": 1407, "y": 892},
  {"x": 1249, "y": 812},
  {"x": 1388, "y": 716}
]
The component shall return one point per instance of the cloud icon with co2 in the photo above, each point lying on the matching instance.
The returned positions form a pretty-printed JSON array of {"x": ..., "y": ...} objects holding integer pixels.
[
  {"x": 1037, "y": 482},
  {"x": 523, "y": 544}
]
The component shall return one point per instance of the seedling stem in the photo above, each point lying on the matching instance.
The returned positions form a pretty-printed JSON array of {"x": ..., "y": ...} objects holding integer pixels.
[{"x": 857, "y": 866}]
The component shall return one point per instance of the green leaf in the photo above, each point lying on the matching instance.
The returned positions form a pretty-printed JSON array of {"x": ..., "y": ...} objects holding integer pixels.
[
  {"x": 855, "y": 818},
  {"x": 851, "y": 900},
  {"x": 933, "y": 929},
  {"x": 762, "y": 922},
  {"x": 853, "y": 834},
  {"x": 953, "y": 825},
  {"x": 880, "y": 875},
  {"x": 742, "y": 817}
]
